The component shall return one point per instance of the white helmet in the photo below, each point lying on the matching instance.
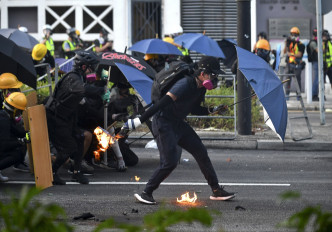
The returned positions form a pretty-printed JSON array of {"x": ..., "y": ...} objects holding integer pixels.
[
  {"x": 23, "y": 29},
  {"x": 47, "y": 27},
  {"x": 176, "y": 29}
]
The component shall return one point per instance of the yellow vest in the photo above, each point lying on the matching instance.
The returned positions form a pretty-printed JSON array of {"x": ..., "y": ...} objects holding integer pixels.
[
  {"x": 50, "y": 45},
  {"x": 327, "y": 54}
]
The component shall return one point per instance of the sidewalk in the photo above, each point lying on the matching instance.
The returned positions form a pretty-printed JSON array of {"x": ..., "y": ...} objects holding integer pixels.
[{"x": 267, "y": 139}]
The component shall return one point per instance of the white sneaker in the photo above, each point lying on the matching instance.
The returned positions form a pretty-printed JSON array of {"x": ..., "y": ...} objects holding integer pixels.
[{"x": 3, "y": 178}]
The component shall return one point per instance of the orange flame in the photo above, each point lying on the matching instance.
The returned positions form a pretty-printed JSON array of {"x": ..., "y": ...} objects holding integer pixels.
[
  {"x": 185, "y": 198},
  {"x": 137, "y": 178},
  {"x": 104, "y": 140}
]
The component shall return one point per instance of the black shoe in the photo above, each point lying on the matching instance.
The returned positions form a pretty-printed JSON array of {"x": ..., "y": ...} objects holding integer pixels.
[
  {"x": 86, "y": 169},
  {"x": 80, "y": 178},
  {"x": 22, "y": 167},
  {"x": 315, "y": 98},
  {"x": 57, "y": 180},
  {"x": 145, "y": 198},
  {"x": 221, "y": 195}
]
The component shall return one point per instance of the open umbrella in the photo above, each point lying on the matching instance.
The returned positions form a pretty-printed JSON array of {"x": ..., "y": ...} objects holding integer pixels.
[
  {"x": 267, "y": 87},
  {"x": 110, "y": 58},
  {"x": 138, "y": 80},
  {"x": 155, "y": 46},
  {"x": 22, "y": 39},
  {"x": 14, "y": 60},
  {"x": 228, "y": 48},
  {"x": 199, "y": 43}
]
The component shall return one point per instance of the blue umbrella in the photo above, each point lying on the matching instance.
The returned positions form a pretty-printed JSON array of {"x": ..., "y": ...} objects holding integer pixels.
[
  {"x": 268, "y": 89},
  {"x": 155, "y": 46},
  {"x": 138, "y": 80},
  {"x": 200, "y": 43}
]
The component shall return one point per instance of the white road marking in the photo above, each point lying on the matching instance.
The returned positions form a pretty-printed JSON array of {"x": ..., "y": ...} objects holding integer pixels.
[{"x": 163, "y": 183}]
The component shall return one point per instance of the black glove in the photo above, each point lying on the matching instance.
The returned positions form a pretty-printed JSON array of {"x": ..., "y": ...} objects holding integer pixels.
[{"x": 221, "y": 109}]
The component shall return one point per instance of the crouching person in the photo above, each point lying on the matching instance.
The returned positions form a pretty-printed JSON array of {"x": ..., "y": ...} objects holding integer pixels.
[
  {"x": 61, "y": 113},
  {"x": 12, "y": 134}
]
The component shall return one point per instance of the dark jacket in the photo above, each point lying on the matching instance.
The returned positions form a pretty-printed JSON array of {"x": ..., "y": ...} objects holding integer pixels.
[{"x": 10, "y": 131}]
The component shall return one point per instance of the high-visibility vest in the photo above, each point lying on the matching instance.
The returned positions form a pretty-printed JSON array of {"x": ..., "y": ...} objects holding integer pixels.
[
  {"x": 293, "y": 48},
  {"x": 72, "y": 46},
  {"x": 184, "y": 51},
  {"x": 327, "y": 54},
  {"x": 50, "y": 45}
]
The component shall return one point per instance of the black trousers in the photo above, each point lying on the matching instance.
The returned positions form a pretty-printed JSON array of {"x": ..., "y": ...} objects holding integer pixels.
[
  {"x": 10, "y": 158},
  {"x": 168, "y": 135}
]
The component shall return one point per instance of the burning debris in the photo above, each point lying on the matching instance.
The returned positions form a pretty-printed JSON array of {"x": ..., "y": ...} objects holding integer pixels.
[
  {"x": 137, "y": 178},
  {"x": 105, "y": 140},
  {"x": 185, "y": 198}
]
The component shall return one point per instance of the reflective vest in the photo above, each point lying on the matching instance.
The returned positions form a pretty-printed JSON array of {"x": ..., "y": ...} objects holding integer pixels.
[
  {"x": 327, "y": 54},
  {"x": 50, "y": 45},
  {"x": 72, "y": 45},
  {"x": 293, "y": 48},
  {"x": 184, "y": 51}
]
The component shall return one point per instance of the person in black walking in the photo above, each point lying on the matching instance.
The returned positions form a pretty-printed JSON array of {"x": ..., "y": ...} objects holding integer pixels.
[{"x": 170, "y": 128}]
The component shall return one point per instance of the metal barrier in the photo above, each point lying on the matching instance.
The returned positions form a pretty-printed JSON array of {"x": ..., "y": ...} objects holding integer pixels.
[{"x": 230, "y": 78}]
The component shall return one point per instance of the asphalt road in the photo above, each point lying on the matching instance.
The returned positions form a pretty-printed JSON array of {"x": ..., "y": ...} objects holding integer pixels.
[{"x": 258, "y": 177}]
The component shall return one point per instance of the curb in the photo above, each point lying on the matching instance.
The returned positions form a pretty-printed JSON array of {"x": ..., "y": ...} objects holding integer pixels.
[{"x": 258, "y": 144}]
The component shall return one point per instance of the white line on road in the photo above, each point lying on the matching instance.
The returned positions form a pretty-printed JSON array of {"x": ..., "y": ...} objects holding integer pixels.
[{"x": 164, "y": 183}]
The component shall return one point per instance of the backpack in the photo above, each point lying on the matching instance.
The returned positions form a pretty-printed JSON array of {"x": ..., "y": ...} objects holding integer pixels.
[
  {"x": 167, "y": 77},
  {"x": 67, "y": 94},
  {"x": 312, "y": 55}
]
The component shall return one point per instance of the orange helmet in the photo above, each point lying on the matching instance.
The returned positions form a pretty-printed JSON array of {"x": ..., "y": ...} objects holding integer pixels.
[
  {"x": 16, "y": 100},
  {"x": 263, "y": 44},
  {"x": 150, "y": 56},
  {"x": 9, "y": 81},
  {"x": 295, "y": 30}
]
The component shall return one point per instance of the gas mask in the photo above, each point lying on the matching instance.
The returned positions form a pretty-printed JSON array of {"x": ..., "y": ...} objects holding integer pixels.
[
  {"x": 210, "y": 84},
  {"x": 295, "y": 38},
  {"x": 91, "y": 77}
]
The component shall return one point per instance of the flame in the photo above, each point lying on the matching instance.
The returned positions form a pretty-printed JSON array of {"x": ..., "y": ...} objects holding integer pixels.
[
  {"x": 137, "y": 178},
  {"x": 104, "y": 141},
  {"x": 185, "y": 198}
]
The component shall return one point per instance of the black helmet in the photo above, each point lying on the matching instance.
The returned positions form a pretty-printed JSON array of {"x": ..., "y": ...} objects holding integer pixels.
[
  {"x": 104, "y": 32},
  {"x": 88, "y": 58},
  {"x": 210, "y": 64}
]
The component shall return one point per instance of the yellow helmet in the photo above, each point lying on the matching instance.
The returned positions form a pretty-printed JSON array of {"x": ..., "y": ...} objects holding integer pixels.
[
  {"x": 9, "y": 81},
  {"x": 263, "y": 44},
  {"x": 78, "y": 33},
  {"x": 169, "y": 40},
  {"x": 39, "y": 51},
  {"x": 150, "y": 56},
  {"x": 16, "y": 100},
  {"x": 295, "y": 30}
]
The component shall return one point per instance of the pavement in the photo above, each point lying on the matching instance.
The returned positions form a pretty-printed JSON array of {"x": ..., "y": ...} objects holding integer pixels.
[{"x": 298, "y": 136}]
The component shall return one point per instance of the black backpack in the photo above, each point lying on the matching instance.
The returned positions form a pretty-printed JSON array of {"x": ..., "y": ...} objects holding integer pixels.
[
  {"x": 167, "y": 77},
  {"x": 312, "y": 55}
]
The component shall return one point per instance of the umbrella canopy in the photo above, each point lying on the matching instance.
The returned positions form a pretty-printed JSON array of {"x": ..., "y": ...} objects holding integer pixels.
[
  {"x": 110, "y": 58},
  {"x": 138, "y": 80},
  {"x": 200, "y": 43},
  {"x": 155, "y": 46},
  {"x": 22, "y": 39},
  {"x": 66, "y": 67},
  {"x": 228, "y": 48},
  {"x": 268, "y": 89},
  {"x": 14, "y": 60}
]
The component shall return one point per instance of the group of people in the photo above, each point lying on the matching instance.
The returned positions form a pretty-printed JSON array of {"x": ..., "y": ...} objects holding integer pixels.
[
  {"x": 292, "y": 57},
  {"x": 80, "y": 95}
]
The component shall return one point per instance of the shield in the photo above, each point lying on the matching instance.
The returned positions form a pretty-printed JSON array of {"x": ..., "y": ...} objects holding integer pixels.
[
  {"x": 138, "y": 80},
  {"x": 200, "y": 43},
  {"x": 268, "y": 89},
  {"x": 228, "y": 48},
  {"x": 110, "y": 58},
  {"x": 14, "y": 60},
  {"x": 22, "y": 39},
  {"x": 155, "y": 46}
]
